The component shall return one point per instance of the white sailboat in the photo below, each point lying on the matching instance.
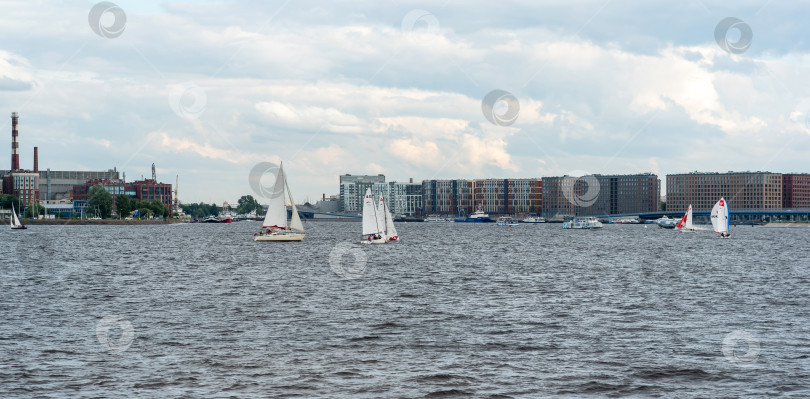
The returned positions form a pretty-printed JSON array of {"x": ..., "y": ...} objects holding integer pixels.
[
  {"x": 686, "y": 222},
  {"x": 373, "y": 225},
  {"x": 15, "y": 221},
  {"x": 720, "y": 218},
  {"x": 276, "y": 227},
  {"x": 390, "y": 232}
]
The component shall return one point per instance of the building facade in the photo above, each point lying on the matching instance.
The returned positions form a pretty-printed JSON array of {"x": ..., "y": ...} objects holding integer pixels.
[
  {"x": 743, "y": 190},
  {"x": 406, "y": 198},
  {"x": 597, "y": 195},
  {"x": 24, "y": 185},
  {"x": 796, "y": 190},
  {"x": 353, "y": 190},
  {"x": 148, "y": 190}
]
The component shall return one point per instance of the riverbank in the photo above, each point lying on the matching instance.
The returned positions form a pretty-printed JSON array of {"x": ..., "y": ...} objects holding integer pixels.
[{"x": 103, "y": 222}]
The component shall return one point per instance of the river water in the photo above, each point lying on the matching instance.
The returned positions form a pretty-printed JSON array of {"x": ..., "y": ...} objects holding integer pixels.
[{"x": 452, "y": 310}]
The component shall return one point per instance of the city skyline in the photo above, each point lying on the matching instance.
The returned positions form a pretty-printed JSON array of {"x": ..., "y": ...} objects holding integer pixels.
[{"x": 207, "y": 89}]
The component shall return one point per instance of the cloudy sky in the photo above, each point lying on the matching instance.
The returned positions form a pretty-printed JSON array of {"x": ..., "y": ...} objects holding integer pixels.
[{"x": 207, "y": 89}]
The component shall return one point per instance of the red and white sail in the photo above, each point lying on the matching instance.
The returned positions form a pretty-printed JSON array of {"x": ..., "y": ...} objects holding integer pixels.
[{"x": 686, "y": 221}]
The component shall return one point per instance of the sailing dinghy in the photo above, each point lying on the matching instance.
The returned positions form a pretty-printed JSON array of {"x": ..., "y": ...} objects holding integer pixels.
[
  {"x": 686, "y": 222},
  {"x": 276, "y": 226},
  {"x": 720, "y": 218},
  {"x": 390, "y": 232},
  {"x": 15, "y": 221},
  {"x": 373, "y": 222}
]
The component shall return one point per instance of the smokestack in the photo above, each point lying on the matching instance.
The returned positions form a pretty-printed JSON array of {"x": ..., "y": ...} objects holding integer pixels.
[
  {"x": 411, "y": 179},
  {"x": 36, "y": 160},
  {"x": 15, "y": 157}
]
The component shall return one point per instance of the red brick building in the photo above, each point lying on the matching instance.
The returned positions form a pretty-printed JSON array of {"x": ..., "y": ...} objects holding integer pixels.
[{"x": 796, "y": 190}]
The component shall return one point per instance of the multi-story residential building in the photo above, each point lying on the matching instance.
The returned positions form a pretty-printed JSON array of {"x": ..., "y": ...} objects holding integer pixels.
[
  {"x": 743, "y": 190},
  {"x": 796, "y": 190},
  {"x": 353, "y": 189},
  {"x": 448, "y": 197},
  {"x": 600, "y": 195},
  {"x": 406, "y": 198},
  {"x": 508, "y": 196}
]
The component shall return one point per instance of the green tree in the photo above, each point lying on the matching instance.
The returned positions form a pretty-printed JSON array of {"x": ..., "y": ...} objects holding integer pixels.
[
  {"x": 663, "y": 206},
  {"x": 247, "y": 204},
  {"x": 123, "y": 205},
  {"x": 99, "y": 202},
  {"x": 35, "y": 210},
  {"x": 6, "y": 200}
]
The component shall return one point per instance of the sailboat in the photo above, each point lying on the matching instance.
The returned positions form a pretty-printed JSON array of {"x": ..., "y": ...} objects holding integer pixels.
[
  {"x": 15, "y": 221},
  {"x": 373, "y": 223},
  {"x": 276, "y": 227},
  {"x": 686, "y": 222},
  {"x": 390, "y": 232},
  {"x": 720, "y": 218}
]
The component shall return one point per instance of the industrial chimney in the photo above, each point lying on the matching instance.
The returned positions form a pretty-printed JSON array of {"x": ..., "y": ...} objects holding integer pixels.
[
  {"x": 15, "y": 156},
  {"x": 36, "y": 160}
]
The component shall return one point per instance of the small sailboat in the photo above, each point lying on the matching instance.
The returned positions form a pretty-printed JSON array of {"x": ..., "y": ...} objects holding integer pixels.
[
  {"x": 720, "y": 218},
  {"x": 686, "y": 222},
  {"x": 373, "y": 223},
  {"x": 276, "y": 227},
  {"x": 15, "y": 221},
  {"x": 390, "y": 230}
]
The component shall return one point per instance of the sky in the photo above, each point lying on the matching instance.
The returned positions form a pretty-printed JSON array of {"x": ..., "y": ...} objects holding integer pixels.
[{"x": 412, "y": 89}]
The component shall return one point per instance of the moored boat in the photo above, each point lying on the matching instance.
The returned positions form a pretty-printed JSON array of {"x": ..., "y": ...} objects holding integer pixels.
[
  {"x": 583, "y": 223},
  {"x": 533, "y": 219},
  {"x": 506, "y": 221},
  {"x": 477, "y": 217}
]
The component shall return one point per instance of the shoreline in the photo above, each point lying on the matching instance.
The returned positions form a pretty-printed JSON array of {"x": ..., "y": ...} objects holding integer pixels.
[
  {"x": 787, "y": 225},
  {"x": 103, "y": 222}
]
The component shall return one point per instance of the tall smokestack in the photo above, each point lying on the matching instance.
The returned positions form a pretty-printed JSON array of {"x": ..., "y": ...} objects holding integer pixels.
[
  {"x": 15, "y": 157},
  {"x": 36, "y": 160}
]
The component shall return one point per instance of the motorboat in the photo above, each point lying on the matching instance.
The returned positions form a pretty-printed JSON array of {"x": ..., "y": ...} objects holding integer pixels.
[
  {"x": 506, "y": 221},
  {"x": 583, "y": 223},
  {"x": 477, "y": 217},
  {"x": 666, "y": 222},
  {"x": 533, "y": 219}
]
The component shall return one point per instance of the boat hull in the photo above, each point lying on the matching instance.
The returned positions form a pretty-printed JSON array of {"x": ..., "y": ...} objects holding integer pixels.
[
  {"x": 19, "y": 228},
  {"x": 280, "y": 237},
  {"x": 377, "y": 241}
]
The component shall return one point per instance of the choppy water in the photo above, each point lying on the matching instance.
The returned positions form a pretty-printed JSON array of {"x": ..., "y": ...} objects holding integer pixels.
[{"x": 451, "y": 310}]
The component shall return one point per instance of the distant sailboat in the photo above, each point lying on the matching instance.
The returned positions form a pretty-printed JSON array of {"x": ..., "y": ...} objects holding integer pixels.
[
  {"x": 275, "y": 226},
  {"x": 15, "y": 221},
  {"x": 686, "y": 222},
  {"x": 720, "y": 218},
  {"x": 390, "y": 232},
  {"x": 373, "y": 223}
]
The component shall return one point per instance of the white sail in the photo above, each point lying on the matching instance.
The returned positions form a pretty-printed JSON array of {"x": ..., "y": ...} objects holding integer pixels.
[
  {"x": 720, "y": 217},
  {"x": 381, "y": 217},
  {"x": 15, "y": 222},
  {"x": 390, "y": 230},
  {"x": 689, "y": 225},
  {"x": 295, "y": 221},
  {"x": 369, "y": 215},
  {"x": 277, "y": 211}
]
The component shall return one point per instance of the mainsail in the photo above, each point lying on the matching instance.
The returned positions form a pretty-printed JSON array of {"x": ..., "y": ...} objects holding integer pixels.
[
  {"x": 720, "y": 217},
  {"x": 370, "y": 225},
  {"x": 686, "y": 221},
  {"x": 277, "y": 210},
  {"x": 390, "y": 230}
]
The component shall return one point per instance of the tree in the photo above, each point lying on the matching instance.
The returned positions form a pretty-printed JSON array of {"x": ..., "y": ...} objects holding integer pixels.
[
  {"x": 123, "y": 205},
  {"x": 247, "y": 204},
  {"x": 35, "y": 210},
  {"x": 6, "y": 200},
  {"x": 99, "y": 202}
]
